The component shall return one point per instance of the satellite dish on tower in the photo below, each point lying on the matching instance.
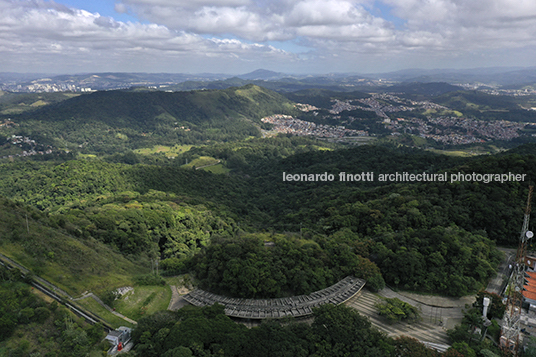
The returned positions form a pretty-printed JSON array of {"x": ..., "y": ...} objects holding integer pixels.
[{"x": 529, "y": 234}]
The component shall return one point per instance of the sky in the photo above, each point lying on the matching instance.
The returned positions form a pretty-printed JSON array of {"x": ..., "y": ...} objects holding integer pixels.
[{"x": 239, "y": 36}]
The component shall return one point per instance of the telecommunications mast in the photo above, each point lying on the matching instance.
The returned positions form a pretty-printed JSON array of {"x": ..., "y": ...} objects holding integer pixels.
[{"x": 511, "y": 331}]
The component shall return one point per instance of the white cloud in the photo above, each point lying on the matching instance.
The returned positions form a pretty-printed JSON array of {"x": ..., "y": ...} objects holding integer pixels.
[
  {"x": 31, "y": 32},
  {"x": 325, "y": 12},
  {"x": 234, "y": 32},
  {"x": 257, "y": 21},
  {"x": 479, "y": 22},
  {"x": 189, "y": 3},
  {"x": 471, "y": 23}
]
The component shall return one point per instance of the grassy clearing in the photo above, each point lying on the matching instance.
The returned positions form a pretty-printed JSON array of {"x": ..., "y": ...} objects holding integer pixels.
[
  {"x": 39, "y": 103},
  {"x": 418, "y": 141},
  {"x": 217, "y": 169},
  {"x": 144, "y": 300},
  {"x": 444, "y": 112},
  {"x": 459, "y": 153},
  {"x": 93, "y": 306},
  {"x": 322, "y": 148},
  {"x": 472, "y": 151},
  {"x": 168, "y": 151},
  {"x": 13, "y": 110},
  {"x": 201, "y": 162},
  {"x": 356, "y": 140},
  {"x": 87, "y": 156},
  {"x": 76, "y": 268}
]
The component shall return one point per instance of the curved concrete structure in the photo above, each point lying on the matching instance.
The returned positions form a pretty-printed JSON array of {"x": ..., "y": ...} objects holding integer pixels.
[{"x": 295, "y": 306}]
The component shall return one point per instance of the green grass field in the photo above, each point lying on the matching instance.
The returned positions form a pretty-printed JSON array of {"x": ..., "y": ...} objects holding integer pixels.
[
  {"x": 72, "y": 264},
  {"x": 144, "y": 300},
  {"x": 87, "y": 275},
  {"x": 87, "y": 156},
  {"x": 169, "y": 151},
  {"x": 93, "y": 306},
  {"x": 217, "y": 169},
  {"x": 470, "y": 151},
  {"x": 443, "y": 112},
  {"x": 202, "y": 161}
]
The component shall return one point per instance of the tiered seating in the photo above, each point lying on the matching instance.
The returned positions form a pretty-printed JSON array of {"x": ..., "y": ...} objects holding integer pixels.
[{"x": 301, "y": 305}]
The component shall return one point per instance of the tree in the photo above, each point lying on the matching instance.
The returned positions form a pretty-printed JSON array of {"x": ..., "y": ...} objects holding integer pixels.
[
  {"x": 334, "y": 330},
  {"x": 463, "y": 349},
  {"x": 180, "y": 351},
  {"x": 411, "y": 347},
  {"x": 395, "y": 309}
]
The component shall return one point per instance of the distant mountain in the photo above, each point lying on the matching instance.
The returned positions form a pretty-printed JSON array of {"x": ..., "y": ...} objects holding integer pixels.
[
  {"x": 11, "y": 77},
  {"x": 286, "y": 84},
  {"x": 99, "y": 81},
  {"x": 263, "y": 74},
  {"x": 427, "y": 89},
  {"x": 495, "y": 76}
]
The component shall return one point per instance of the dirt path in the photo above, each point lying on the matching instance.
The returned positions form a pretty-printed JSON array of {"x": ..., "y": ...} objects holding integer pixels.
[
  {"x": 177, "y": 301},
  {"x": 100, "y": 302}
]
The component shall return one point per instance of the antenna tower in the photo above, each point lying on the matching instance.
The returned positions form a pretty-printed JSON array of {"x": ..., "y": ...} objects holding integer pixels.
[{"x": 511, "y": 331}]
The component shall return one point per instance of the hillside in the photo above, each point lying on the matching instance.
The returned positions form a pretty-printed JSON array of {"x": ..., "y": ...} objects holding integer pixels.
[
  {"x": 16, "y": 103},
  {"x": 169, "y": 211},
  {"x": 486, "y": 106},
  {"x": 48, "y": 248},
  {"x": 115, "y": 121},
  {"x": 423, "y": 89},
  {"x": 322, "y": 98}
]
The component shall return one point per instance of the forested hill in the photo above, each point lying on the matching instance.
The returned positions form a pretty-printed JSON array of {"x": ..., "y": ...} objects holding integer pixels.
[
  {"x": 146, "y": 110},
  {"x": 487, "y": 106},
  {"x": 112, "y": 121},
  {"x": 179, "y": 212}
]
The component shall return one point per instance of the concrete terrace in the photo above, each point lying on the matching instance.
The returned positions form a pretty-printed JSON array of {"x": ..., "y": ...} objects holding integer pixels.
[{"x": 295, "y": 306}]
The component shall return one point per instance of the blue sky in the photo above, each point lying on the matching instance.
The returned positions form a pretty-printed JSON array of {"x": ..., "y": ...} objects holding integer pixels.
[
  {"x": 238, "y": 36},
  {"x": 103, "y": 7}
]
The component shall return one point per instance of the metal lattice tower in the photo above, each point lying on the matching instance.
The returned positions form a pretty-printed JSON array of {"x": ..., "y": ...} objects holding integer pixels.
[{"x": 511, "y": 331}]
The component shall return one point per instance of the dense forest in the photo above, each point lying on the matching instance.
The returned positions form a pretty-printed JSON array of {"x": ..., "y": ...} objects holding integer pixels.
[
  {"x": 116, "y": 121},
  {"x": 165, "y": 210},
  {"x": 246, "y": 267},
  {"x": 485, "y": 106},
  {"x": 208, "y": 332}
]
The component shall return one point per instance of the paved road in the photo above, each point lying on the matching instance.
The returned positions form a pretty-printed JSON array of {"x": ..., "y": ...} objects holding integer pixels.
[
  {"x": 437, "y": 310},
  {"x": 423, "y": 330},
  {"x": 497, "y": 284}
]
